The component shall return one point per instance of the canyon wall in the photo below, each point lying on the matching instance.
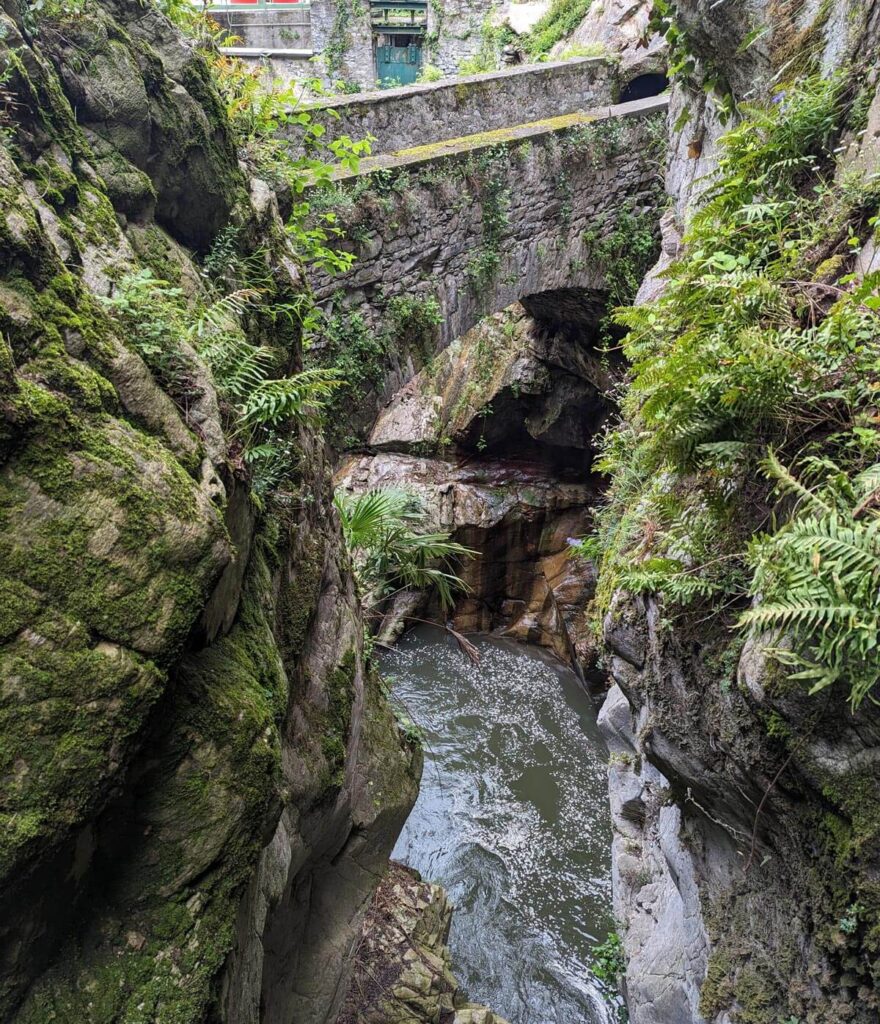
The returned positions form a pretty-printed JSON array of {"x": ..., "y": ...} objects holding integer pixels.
[
  {"x": 201, "y": 778},
  {"x": 745, "y": 811}
]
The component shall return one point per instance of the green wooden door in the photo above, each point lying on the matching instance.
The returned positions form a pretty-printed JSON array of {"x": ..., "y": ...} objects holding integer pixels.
[{"x": 397, "y": 65}]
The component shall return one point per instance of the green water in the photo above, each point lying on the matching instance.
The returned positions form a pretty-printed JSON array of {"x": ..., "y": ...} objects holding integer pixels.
[{"x": 513, "y": 820}]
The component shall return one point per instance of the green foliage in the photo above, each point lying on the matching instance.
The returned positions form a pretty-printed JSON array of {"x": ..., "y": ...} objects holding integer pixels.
[
  {"x": 561, "y": 19},
  {"x": 163, "y": 328},
  {"x": 34, "y": 11},
  {"x": 339, "y": 40},
  {"x": 683, "y": 64},
  {"x": 259, "y": 114},
  {"x": 493, "y": 39},
  {"x": 358, "y": 354},
  {"x": 849, "y": 923},
  {"x": 608, "y": 960},
  {"x": 429, "y": 73},
  {"x": 749, "y": 347},
  {"x": 382, "y": 530},
  {"x": 625, "y": 252},
  {"x": 818, "y": 579},
  {"x": 413, "y": 321},
  {"x": 490, "y": 173}
]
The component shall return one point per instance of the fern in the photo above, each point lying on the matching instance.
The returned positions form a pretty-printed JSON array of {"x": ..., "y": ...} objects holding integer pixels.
[
  {"x": 747, "y": 352},
  {"x": 818, "y": 579},
  {"x": 300, "y": 397}
]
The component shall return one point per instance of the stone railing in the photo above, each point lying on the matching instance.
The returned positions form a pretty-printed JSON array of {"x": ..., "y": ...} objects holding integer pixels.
[{"x": 451, "y": 108}]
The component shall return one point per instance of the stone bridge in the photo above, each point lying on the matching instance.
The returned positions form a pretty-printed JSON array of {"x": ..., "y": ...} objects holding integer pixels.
[{"x": 451, "y": 231}]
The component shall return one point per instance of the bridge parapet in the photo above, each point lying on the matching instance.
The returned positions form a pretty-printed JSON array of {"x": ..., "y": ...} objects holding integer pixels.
[
  {"x": 469, "y": 226},
  {"x": 421, "y": 114}
]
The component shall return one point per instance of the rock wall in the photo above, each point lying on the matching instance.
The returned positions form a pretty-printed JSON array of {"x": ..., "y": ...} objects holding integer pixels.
[
  {"x": 477, "y": 226},
  {"x": 416, "y": 115},
  {"x": 455, "y": 30},
  {"x": 729, "y": 913},
  {"x": 342, "y": 36},
  {"x": 495, "y": 437},
  {"x": 201, "y": 778},
  {"x": 620, "y": 27}
]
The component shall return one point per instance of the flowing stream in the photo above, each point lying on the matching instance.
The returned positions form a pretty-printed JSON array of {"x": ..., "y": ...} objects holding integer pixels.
[{"x": 512, "y": 819}]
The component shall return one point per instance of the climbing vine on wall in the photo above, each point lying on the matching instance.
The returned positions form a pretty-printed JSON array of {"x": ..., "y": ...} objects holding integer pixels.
[
  {"x": 340, "y": 40},
  {"x": 490, "y": 171}
]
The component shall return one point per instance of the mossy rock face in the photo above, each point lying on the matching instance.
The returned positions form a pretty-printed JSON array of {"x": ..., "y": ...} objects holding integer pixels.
[
  {"x": 180, "y": 850},
  {"x": 181, "y": 675},
  {"x": 137, "y": 86}
]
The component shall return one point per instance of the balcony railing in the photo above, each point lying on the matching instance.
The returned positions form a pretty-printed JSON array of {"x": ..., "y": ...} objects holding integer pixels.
[{"x": 400, "y": 14}]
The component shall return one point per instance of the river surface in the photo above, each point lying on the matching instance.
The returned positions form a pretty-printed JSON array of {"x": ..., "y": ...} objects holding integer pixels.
[{"x": 512, "y": 819}]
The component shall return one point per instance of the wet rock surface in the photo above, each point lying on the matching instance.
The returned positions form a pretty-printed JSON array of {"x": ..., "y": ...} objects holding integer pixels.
[
  {"x": 495, "y": 438},
  {"x": 402, "y": 963}
]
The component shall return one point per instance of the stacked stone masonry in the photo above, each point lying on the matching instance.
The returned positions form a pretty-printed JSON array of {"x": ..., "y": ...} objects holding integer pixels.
[
  {"x": 533, "y": 201},
  {"x": 417, "y": 115}
]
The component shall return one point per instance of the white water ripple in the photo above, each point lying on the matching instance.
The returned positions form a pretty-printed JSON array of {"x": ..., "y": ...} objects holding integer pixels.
[{"x": 512, "y": 819}]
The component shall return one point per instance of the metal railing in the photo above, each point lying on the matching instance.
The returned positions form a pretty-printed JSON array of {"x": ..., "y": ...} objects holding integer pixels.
[
  {"x": 398, "y": 13},
  {"x": 245, "y": 6}
]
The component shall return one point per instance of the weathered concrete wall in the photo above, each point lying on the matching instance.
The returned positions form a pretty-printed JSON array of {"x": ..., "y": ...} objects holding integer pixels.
[
  {"x": 416, "y": 115},
  {"x": 479, "y": 224},
  {"x": 264, "y": 29}
]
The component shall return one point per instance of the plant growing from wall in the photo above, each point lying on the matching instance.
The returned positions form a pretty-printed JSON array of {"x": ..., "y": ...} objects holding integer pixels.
[
  {"x": 818, "y": 579},
  {"x": 493, "y": 38},
  {"x": 429, "y": 73},
  {"x": 413, "y": 322},
  {"x": 339, "y": 39},
  {"x": 609, "y": 966},
  {"x": 753, "y": 345},
  {"x": 702, "y": 75},
  {"x": 490, "y": 173},
  {"x": 432, "y": 39},
  {"x": 165, "y": 330}
]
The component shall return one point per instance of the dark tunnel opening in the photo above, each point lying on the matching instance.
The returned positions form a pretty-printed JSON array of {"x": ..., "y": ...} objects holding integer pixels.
[{"x": 643, "y": 86}]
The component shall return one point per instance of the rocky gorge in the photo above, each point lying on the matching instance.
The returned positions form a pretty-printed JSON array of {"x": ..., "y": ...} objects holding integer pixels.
[{"x": 203, "y": 773}]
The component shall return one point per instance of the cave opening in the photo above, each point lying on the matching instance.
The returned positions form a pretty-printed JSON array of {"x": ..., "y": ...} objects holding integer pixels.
[
  {"x": 642, "y": 87},
  {"x": 557, "y": 401}
]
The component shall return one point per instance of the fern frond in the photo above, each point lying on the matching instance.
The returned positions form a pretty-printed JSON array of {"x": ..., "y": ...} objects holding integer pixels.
[
  {"x": 788, "y": 482},
  {"x": 228, "y": 308},
  {"x": 297, "y": 397}
]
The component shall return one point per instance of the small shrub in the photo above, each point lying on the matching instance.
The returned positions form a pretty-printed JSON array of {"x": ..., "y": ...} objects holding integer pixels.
[
  {"x": 608, "y": 960},
  {"x": 430, "y": 73}
]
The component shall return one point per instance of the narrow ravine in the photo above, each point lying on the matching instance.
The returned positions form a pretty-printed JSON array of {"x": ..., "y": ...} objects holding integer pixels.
[{"x": 512, "y": 819}]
